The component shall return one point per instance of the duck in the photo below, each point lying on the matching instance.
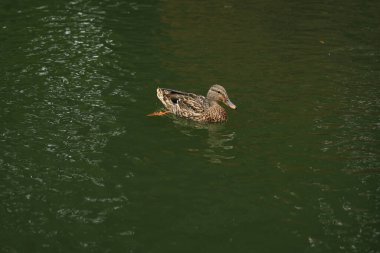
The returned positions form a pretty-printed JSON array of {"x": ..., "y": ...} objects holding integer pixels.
[{"x": 195, "y": 107}]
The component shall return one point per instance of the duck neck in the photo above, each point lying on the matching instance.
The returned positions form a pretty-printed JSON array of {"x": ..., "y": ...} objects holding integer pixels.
[
  {"x": 213, "y": 103},
  {"x": 217, "y": 112}
]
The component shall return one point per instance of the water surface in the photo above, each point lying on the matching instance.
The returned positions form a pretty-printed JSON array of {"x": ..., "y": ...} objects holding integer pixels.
[{"x": 295, "y": 169}]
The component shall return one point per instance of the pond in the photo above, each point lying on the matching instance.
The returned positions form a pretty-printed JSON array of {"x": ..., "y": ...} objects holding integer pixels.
[{"x": 296, "y": 167}]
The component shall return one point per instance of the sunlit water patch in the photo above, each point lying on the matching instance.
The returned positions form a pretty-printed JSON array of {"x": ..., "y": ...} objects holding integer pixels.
[{"x": 56, "y": 124}]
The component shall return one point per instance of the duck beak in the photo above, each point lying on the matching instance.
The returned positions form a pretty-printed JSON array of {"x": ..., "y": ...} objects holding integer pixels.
[{"x": 230, "y": 104}]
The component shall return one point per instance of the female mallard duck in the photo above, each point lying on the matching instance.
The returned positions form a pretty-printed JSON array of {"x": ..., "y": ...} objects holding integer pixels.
[{"x": 196, "y": 107}]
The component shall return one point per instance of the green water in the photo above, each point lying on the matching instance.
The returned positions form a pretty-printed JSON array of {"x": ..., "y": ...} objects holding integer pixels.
[{"x": 295, "y": 169}]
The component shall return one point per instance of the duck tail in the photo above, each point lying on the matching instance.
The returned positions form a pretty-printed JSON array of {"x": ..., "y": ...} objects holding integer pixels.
[{"x": 165, "y": 96}]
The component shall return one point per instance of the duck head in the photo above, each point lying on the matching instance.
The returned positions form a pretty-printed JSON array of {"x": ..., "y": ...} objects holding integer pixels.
[{"x": 218, "y": 93}]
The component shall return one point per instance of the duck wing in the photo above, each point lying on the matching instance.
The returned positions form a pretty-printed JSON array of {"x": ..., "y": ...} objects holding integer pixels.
[
  {"x": 195, "y": 104},
  {"x": 187, "y": 103}
]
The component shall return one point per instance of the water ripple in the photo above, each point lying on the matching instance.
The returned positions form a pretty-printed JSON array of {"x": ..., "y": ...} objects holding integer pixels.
[{"x": 57, "y": 122}]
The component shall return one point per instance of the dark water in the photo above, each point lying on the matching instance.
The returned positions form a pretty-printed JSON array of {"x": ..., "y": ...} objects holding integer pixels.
[{"x": 295, "y": 169}]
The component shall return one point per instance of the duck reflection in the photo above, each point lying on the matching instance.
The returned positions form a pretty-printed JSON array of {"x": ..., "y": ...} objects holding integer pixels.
[{"x": 219, "y": 139}]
